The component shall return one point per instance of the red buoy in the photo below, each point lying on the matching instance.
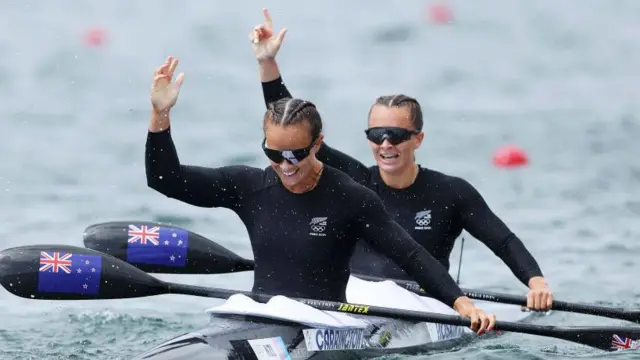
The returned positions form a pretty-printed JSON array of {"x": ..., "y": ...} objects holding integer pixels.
[
  {"x": 94, "y": 37},
  {"x": 510, "y": 156},
  {"x": 440, "y": 13}
]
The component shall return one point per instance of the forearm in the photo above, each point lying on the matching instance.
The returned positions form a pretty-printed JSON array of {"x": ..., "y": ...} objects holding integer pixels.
[
  {"x": 274, "y": 90},
  {"x": 484, "y": 225},
  {"x": 516, "y": 256},
  {"x": 393, "y": 241},
  {"x": 160, "y": 121},
  {"x": 162, "y": 165},
  {"x": 432, "y": 276},
  {"x": 269, "y": 70}
]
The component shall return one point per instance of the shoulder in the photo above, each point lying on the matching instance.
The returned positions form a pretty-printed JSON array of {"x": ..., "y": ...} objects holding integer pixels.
[
  {"x": 455, "y": 186},
  {"x": 438, "y": 178},
  {"x": 248, "y": 178},
  {"x": 242, "y": 171},
  {"x": 354, "y": 195},
  {"x": 342, "y": 180},
  {"x": 347, "y": 185}
]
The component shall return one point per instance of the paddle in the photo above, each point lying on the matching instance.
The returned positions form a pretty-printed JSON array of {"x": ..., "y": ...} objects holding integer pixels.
[
  {"x": 177, "y": 251},
  {"x": 204, "y": 256},
  {"x": 63, "y": 272},
  {"x": 615, "y": 313}
]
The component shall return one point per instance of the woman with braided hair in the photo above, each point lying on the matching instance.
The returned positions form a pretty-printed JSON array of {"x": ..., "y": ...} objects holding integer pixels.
[
  {"x": 431, "y": 206},
  {"x": 303, "y": 217}
]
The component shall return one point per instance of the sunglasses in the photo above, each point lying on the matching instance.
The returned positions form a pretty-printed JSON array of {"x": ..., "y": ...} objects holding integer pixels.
[
  {"x": 395, "y": 135},
  {"x": 293, "y": 156}
]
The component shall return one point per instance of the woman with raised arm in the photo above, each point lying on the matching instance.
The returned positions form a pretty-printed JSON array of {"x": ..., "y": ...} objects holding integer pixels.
[
  {"x": 303, "y": 217},
  {"x": 431, "y": 206}
]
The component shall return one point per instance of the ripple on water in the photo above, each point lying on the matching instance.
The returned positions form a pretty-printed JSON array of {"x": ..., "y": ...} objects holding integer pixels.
[{"x": 89, "y": 335}]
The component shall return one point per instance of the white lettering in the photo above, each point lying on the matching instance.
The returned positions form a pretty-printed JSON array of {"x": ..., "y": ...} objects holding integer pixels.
[{"x": 334, "y": 339}]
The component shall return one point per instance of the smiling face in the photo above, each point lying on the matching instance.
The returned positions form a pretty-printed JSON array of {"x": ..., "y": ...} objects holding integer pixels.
[
  {"x": 394, "y": 147},
  {"x": 293, "y": 134},
  {"x": 291, "y": 152}
]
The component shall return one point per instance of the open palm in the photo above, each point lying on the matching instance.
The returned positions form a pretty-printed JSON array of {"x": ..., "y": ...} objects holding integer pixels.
[{"x": 164, "y": 93}]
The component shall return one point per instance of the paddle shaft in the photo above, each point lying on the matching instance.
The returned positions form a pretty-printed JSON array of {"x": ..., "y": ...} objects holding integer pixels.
[
  {"x": 356, "y": 309},
  {"x": 590, "y": 336},
  {"x": 614, "y": 313}
]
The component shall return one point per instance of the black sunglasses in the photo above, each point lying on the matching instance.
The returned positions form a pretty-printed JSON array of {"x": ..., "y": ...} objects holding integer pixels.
[
  {"x": 293, "y": 156},
  {"x": 395, "y": 135}
]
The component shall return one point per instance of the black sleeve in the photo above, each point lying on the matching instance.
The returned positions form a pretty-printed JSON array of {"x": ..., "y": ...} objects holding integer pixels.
[
  {"x": 345, "y": 163},
  {"x": 199, "y": 186},
  {"x": 390, "y": 239},
  {"x": 274, "y": 90},
  {"x": 484, "y": 225}
]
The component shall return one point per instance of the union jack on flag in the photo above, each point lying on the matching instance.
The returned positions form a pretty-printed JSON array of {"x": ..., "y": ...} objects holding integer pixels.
[
  {"x": 622, "y": 343},
  {"x": 55, "y": 262},
  {"x": 144, "y": 234}
]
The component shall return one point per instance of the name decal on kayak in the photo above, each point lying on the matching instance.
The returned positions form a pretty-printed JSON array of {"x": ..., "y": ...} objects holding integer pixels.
[
  {"x": 446, "y": 332},
  {"x": 334, "y": 339},
  {"x": 355, "y": 309}
]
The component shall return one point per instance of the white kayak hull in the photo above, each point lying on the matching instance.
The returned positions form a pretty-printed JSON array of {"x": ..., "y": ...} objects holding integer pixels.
[{"x": 286, "y": 329}]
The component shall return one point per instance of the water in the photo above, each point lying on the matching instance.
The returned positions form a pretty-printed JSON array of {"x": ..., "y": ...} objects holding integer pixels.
[{"x": 558, "y": 79}]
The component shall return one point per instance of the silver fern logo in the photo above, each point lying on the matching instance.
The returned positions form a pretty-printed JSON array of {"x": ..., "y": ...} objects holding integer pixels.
[
  {"x": 318, "y": 226},
  {"x": 423, "y": 219}
]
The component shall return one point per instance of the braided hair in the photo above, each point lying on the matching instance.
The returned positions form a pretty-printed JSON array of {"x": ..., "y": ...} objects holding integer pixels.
[
  {"x": 401, "y": 100},
  {"x": 288, "y": 111}
]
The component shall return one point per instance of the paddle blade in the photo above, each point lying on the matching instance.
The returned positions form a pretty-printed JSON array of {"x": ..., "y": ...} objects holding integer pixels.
[
  {"x": 159, "y": 248},
  {"x": 605, "y": 338},
  {"x": 62, "y": 272}
]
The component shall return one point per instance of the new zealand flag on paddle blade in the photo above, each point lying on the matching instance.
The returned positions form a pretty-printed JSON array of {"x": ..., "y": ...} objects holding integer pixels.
[
  {"x": 157, "y": 246},
  {"x": 63, "y": 272}
]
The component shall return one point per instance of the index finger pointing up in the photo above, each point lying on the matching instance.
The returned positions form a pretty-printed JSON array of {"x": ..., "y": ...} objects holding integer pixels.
[{"x": 267, "y": 18}]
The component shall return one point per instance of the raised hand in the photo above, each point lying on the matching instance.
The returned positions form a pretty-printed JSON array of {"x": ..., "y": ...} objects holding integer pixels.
[
  {"x": 164, "y": 93},
  {"x": 265, "y": 44}
]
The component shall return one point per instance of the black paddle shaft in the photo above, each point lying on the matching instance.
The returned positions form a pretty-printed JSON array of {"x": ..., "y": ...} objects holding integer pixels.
[
  {"x": 615, "y": 313},
  {"x": 598, "y": 337}
]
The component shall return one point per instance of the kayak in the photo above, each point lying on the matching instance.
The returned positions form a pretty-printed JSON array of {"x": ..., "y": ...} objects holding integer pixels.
[{"x": 286, "y": 329}]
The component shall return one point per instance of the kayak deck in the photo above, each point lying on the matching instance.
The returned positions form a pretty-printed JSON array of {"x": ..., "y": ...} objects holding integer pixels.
[
  {"x": 231, "y": 337},
  {"x": 244, "y": 331}
]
